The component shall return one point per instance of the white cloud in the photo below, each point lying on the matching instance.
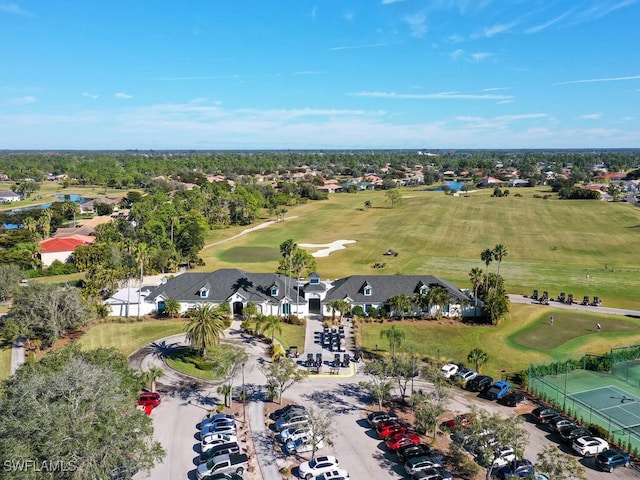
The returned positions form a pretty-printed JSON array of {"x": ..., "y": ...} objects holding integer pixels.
[
  {"x": 496, "y": 29},
  {"x": 595, "y": 80},
  {"x": 433, "y": 96},
  {"x": 501, "y": 121},
  {"x": 456, "y": 54},
  {"x": 417, "y": 24},
  {"x": 23, "y": 100},
  {"x": 389, "y": 2},
  {"x": 14, "y": 9},
  {"x": 543, "y": 26},
  {"x": 455, "y": 38},
  {"x": 502, "y": 102},
  {"x": 479, "y": 56},
  {"x": 89, "y": 95},
  {"x": 351, "y": 47},
  {"x": 590, "y": 116},
  {"x": 496, "y": 89},
  {"x": 123, "y": 95},
  {"x": 348, "y": 15}
]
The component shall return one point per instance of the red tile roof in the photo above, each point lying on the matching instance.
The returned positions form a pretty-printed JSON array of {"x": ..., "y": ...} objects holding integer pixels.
[{"x": 64, "y": 244}]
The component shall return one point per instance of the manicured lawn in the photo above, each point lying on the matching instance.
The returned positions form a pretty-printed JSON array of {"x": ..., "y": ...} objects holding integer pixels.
[
  {"x": 554, "y": 245},
  {"x": 128, "y": 337},
  {"x": 524, "y": 337},
  {"x": 5, "y": 362},
  {"x": 292, "y": 335},
  {"x": 189, "y": 369}
]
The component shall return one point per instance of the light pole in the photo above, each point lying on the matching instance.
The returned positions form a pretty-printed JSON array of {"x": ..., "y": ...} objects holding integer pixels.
[
  {"x": 413, "y": 368},
  {"x": 244, "y": 398}
]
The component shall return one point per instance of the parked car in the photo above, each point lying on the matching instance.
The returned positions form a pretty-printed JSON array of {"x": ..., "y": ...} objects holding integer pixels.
[
  {"x": 389, "y": 430},
  {"x": 411, "y": 450},
  {"x": 216, "y": 450},
  {"x": 498, "y": 390},
  {"x": 570, "y": 433},
  {"x": 499, "y": 457},
  {"x": 232, "y": 463},
  {"x": 218, "y": 417},
  {"x": 561, "y": 421},
  {"x": 402, "y": 439},
  {"x": 213, "y": 439},
  {"x": 544, "y": 414},
  {"x": 291, "y": 420},
  {"x": 479, "y": 384},
  {"x": 338, "y": 474},
  {"x": 149, "y": 399},
  {"x": 228, "y": 428},
  {"x": 281, "y": 412},
  {"x": 449, "y": 370},
  {"x": 375, "y": 418},
  {"x": 611, "y": 459},
  {"x": 223, "y": 476},
  {"x": 463, "y": 420},
  {"x": 416, "y": 464},
  {"x": 517, "y": 468},
  {"x": 301, "y": 445},
  {"x": 294, "y": 433},
  {"x": 318, "y": 466},
  {"x": 589, "y": 446},
  {"x": 432, "y": 474},
  {"x": 512, "y": 399},
  {"x": 465, "y": 374}
]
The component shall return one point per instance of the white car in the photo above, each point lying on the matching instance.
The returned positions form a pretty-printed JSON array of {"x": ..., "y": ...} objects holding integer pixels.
[
  {"x": 503, "y": 456},
  {"x": 294, "y": 433},
  {"x": 318, "y": 466},
  {"x": 301, "y": 445},
  {"x": 589, "y": 446},
  {"x": 449, "y": 370},
  {"x": 465, "y": 374},
  {"x": 213, "y": 439},
  {"x": 338, "y": 474}
]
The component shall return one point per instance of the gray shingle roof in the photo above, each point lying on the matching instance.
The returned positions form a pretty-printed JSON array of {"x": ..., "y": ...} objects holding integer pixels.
[
  {"x": 254, "y": 287},
  {"x": 384, "y": 287}
]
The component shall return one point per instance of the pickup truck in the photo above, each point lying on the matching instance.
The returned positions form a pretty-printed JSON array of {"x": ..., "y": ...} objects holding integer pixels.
[{"x": 229, "y": 463}]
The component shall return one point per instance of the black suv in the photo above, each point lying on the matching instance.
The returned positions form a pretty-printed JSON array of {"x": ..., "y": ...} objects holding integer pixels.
[
  {"x": 410, "y": 451},
  {"x": 512, "y": 399},
  {"x": 569, "y": 434},
  {"x": 479, "y": 384},
  {"x": 544, "y": 414}
]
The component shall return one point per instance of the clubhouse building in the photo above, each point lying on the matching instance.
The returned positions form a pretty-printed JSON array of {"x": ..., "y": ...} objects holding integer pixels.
[{"x": 275, "y": 294}]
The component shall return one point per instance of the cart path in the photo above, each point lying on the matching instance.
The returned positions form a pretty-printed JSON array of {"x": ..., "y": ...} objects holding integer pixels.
[{"x": 247, "y": 230}]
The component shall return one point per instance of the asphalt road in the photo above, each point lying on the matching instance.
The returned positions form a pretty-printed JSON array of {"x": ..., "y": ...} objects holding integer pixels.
[
  {"x": 577, "y": 306},
  {"x": 186, "y": 401}
]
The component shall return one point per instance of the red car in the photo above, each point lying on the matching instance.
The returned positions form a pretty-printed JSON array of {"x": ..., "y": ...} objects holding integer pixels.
[
  {"x": 461, "y": 421},
  {"x": 402, "y": 439},
  {"x": 390, "y": 430},
  {"x": 149, "y": 399}
]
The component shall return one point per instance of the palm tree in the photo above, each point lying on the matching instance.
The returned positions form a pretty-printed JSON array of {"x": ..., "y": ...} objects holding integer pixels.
[
  {"x": 172, "y": 307},
  {"x": 499, "y": 253},
  {"x": 301, "y": 260},
  {"x": 226, "y": 391},
  {"x": 205, "y": 327},
  {"x": 438, "y": 297},
  {"x": 487, "y": 257},
  {"x": 475, "y": 275},
  {"x": 45, "y": 222},
  {"x": 496, "y": 305},
  {"x": 422, "y": 301},
  {"x": 478, "y": 357},
  {"x": 286, "y": 249},
  {"x": 334, "y": 305},
  {"x": 272, "y": 324},
  {"x": 30, "y": 225},
  {"x": 151, "y": 375},
  {"x": 343, "y": 306},
  {"x": 401, "y": 303},
  {"x": 141, "y": 252},
  {"x": 395, "y": 337}
]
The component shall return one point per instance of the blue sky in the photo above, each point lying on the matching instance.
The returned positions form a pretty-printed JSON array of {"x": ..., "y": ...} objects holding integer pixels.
[{"x": 299, "y": 74}]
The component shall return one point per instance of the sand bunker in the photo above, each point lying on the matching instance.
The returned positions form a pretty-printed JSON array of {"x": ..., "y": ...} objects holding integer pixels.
[{"x": 326, "y": 248}]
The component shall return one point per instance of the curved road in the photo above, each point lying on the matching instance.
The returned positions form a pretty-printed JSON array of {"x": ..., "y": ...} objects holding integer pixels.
[{"x": 577, "y": 306}]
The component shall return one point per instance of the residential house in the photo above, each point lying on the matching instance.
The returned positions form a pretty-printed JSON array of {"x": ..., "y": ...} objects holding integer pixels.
[
  {"x": 9, "y": 197},
  {"x": 488, "y": 180},
  {"x": 90, "y": 206},
  {"x": 124, "y": 303},
  {"x": 374, "y": 291},
  {"x": 61, "y": 249}
]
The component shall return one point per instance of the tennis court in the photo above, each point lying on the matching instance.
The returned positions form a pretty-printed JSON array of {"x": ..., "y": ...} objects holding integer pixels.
[{"x": 595, "y": 398}]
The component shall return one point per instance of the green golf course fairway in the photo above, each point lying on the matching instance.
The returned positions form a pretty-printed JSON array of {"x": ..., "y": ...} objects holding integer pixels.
[
  {"x": 524, "y": 337},
  {"x": 578, "y": 246}
]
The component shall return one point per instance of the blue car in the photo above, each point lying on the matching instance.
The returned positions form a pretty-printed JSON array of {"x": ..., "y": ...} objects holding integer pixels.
[
  {"x": 516, "y": 469},
  {"x": 498, "y": 390},
  {"x": 610, "y": 459}
]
